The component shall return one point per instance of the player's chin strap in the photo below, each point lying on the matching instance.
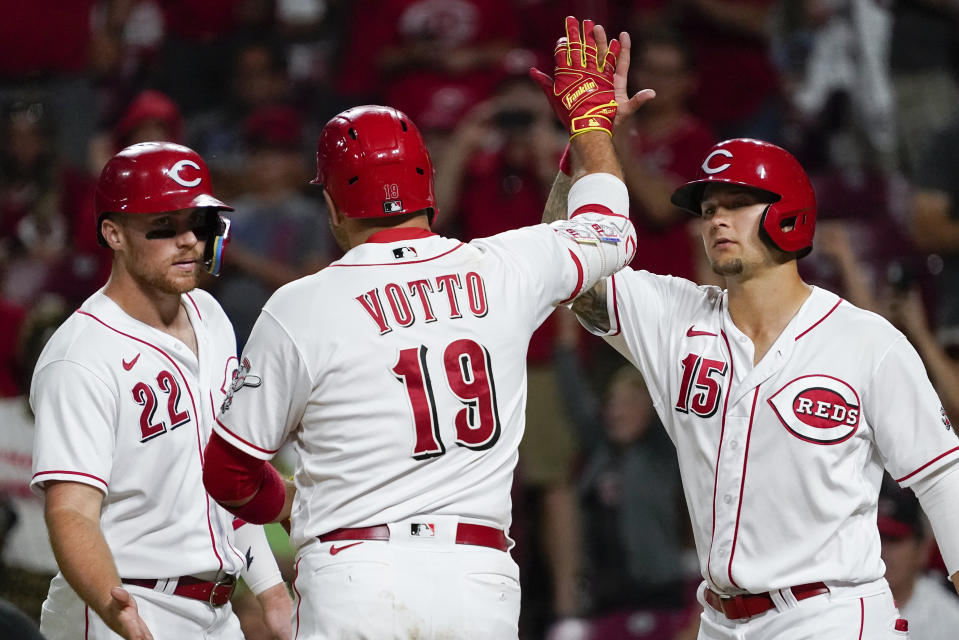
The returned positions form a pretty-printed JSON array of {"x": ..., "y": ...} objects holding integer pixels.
[{"x": 219, "y": 238}]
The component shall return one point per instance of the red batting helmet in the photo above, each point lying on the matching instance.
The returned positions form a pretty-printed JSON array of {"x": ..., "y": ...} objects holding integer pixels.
[
  {"x": 790, "y": 220},
  {"x": 373, "y": 163},
  {"x": 156, "y": 177}
]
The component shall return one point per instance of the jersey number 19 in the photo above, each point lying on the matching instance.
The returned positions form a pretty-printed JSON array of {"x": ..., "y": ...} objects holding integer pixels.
[{"x": 469, "y": 375}]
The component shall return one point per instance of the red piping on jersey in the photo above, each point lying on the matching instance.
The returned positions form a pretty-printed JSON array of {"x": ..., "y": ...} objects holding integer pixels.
[
  {"x": 75, "y": 473},
  {"x": 815, "y": 324},
  {"x": 400, "y": 264},
  {"x": 198, "y": 314},
  {"x": 296, "y": 574},
  {"x": 209, "y": 523},
  {"x": 86, "y": 620},
  {"x": 249, "y": 444},
  {"x": 399, "y": 233},
  {"x": 722, "y": 432},
  {"x": 862, "y": 617},
  {"x": 612, "y": 279},
  {"x": 597, "y": 208},
  {"x": 742, "y": 487},
  {"x": 936, "y": 459},
  {"x": 579, "y": 277}
]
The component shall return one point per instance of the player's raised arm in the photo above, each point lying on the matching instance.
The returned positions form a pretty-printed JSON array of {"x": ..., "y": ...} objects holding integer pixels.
[
  {"x": 590, "y": 153},
  {"x": 626, "y": 106}
]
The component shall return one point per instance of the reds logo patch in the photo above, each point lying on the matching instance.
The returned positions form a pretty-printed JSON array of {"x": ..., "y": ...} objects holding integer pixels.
[
  {"x": 945, "y": 418},
  {"x": 241, "y": 378},
  {"x": 818, "y": 408}
]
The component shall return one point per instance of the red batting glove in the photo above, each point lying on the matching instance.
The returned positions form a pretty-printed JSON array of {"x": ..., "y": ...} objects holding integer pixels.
[{"x": 581, "y": 89}]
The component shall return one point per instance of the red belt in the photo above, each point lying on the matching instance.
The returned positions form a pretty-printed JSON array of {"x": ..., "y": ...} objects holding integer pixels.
[
  {"x": 752, "y": 604},
  {"x": 475, "y": 534},
  {"x": 216, "y": 593}
]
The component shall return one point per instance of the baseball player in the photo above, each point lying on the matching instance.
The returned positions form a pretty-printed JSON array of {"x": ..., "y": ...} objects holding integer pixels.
[
  {"x": 124, "y": 395},
  {"x": 785, "y": 403},
  {"x": 399, "y": 372}
]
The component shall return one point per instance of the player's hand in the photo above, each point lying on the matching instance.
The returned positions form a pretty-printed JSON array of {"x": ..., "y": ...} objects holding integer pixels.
[
  {"x": 626, "y": 106},
  {"x": 581, "y": 90},
  {"x": 124, "y": 618},
  {"x": 277, "y": 611}
]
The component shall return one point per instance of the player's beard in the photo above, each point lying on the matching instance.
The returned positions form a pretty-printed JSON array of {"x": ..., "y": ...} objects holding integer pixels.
[
  {"x": 162, "y": 281},
  {"x": 734, "y": 267}
]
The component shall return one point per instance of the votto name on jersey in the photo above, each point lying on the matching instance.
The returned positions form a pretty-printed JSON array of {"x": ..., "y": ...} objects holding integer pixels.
[{"x": 426, "y": 299}]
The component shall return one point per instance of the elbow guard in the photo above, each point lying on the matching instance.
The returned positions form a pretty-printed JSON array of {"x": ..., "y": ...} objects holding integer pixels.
[{"x": 231, "y": 475}]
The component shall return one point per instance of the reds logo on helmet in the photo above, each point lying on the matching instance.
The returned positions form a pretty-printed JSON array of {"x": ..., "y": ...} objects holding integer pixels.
[
  {"x": 818, "y": 408},
  {"x": 177, "y": 168},
  {"x": 707, "y": 168}
]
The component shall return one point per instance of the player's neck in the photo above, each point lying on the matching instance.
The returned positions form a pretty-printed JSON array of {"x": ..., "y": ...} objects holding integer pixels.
[
  {"x": 763, "y": 305},
  {"x": 360, "y": 233},
  {"x": 158, "y": 309}
]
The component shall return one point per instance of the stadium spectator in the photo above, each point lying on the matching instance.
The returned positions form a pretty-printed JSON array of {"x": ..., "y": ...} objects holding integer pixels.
[
  {"x": 277, "y": 233},
  {"x": 661, "y": 148},
  {"x": 924, "y": 599}
]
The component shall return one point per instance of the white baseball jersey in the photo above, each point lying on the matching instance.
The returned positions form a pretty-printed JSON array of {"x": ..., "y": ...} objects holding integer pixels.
[
  {"x": 127, "y": 408},
  {"x": 400, "y": 370},
  {"x": 781, "y": 461}
]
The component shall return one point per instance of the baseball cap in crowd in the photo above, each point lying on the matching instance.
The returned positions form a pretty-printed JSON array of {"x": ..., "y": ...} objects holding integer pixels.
[
  {"x": 274, "y": 127},
  {"x": 149, "y": 106},
  {"x": 900, "y": 515}
]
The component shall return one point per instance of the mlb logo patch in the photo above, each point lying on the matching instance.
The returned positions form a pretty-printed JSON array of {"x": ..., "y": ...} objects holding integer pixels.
[
  {"x": 422, "y": 529},
  {"x": 404, "y": 252},
  {"x": 393, "y": 206}
]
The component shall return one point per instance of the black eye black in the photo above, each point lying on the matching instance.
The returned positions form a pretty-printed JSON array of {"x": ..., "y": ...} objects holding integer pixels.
[{"x": 159, "y": 234}]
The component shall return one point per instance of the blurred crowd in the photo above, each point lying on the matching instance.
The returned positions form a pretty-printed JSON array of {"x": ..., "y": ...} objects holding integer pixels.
[{"x": 864, "y": 92}]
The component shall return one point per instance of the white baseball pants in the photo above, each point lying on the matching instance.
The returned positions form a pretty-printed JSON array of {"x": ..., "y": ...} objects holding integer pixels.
[
  {"x": 411, "y": 586},
  {"x": 66, "y": 617},
  {"x": 864, "y": 612}
]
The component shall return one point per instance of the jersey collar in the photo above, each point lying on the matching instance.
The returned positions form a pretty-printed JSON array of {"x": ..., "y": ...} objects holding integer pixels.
[{"x": 399, "y": 233}]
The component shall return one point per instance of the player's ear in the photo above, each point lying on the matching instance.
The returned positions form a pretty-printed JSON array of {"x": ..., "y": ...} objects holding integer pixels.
[
  {"x": 112, "y": 232},
  {"x": 336, "y": 216}
]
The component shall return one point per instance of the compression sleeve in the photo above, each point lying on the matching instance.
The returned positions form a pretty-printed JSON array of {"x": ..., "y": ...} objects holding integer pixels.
[{"x": 939, "y": 496}]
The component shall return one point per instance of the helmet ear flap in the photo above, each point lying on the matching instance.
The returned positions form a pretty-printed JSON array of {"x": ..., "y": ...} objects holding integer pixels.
[{"x": 216, "y": 242}]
